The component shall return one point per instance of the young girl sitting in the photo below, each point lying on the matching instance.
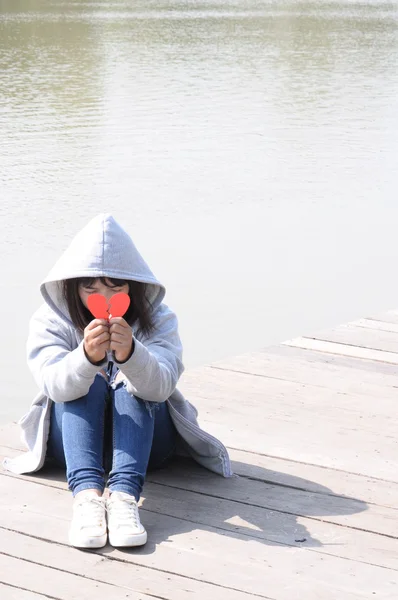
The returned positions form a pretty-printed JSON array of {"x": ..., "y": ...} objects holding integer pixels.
[{"x": 108, "y": 402}]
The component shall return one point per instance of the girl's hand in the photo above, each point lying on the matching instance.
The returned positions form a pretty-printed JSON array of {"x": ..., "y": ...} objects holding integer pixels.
[
  {"x": 96, "y": 340},
  {"x": 121, "y": 338}
]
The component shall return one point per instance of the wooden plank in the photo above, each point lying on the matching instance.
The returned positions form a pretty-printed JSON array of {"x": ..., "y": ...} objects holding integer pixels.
[
  {"x": 377, "y": 325},
  {"x": 302, "y": 366},
  {"x": 200, "y": 552},
  {"x": 330, "y": 347},
  {"x": 57, "y": 583},
  {"x": 8, "y": 592},
  {"x": 391, "y": 316},
  {"x": 314, "y": 478},
  {"x": 361, "y": 366},
  {"x": 10, "y": 436},
  {"x": 134, "y": 581},
  {"x": 385, "y": 341}
]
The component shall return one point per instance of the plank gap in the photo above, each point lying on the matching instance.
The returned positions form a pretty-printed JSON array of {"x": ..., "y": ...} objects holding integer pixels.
[
  {"x": 23, "y": 589},
  {"x": 286, "y": 379},
  {"x": 330, "y": 347},
  {"x": 321, "y": 339}
]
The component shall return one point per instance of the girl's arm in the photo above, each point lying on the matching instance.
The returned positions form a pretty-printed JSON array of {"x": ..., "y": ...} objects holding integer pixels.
[
  {"x": 61, "y": 373},
  {"x": 154, "y": 368}
]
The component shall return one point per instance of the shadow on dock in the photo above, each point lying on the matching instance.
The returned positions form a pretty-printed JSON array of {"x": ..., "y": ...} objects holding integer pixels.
[{"x": 251, "y": 507}]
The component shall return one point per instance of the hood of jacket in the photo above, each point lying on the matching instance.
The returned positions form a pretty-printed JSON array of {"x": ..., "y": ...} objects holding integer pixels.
[{"x": 101, "y": 249}]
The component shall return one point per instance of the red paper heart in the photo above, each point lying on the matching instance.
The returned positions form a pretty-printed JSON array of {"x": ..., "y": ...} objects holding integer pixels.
[
  {"x": 119, "y": 304},
  {"x": 99, "y": 307}
]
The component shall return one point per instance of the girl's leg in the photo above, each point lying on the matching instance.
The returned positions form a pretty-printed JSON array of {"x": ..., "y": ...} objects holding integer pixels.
[
  {"x": 133, "y": 426},
  {"x": 76, "y": 438},
  {"x": 144, "y": 437},
  {"x": 134, "y": 423}
]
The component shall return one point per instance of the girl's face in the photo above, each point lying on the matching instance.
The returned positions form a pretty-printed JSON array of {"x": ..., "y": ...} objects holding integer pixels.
[{"x": 97, "y": 287}]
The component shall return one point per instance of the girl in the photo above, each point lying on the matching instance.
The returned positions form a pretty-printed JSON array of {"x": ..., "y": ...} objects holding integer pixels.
[{"x": 108, "y": 399}]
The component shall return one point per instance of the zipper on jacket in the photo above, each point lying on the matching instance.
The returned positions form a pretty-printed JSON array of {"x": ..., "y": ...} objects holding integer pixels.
[{"x": 108, "y": 419}]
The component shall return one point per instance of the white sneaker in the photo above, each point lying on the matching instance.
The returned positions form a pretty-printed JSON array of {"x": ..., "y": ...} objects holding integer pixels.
[
  {"x": 88, "y": 527},
  {"x": 124, "y": 523}
]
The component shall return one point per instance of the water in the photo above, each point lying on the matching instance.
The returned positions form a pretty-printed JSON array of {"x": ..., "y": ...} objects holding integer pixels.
[{"x": 249, "y": 147}]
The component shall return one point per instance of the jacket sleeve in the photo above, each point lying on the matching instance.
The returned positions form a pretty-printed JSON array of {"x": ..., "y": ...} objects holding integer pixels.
[
  {"x": 154, "y": 368},
  {"x": 61, "y": 373}
]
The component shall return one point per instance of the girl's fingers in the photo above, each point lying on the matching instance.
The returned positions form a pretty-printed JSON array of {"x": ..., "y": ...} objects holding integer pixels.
[
  {"x": 116, "y": 345},
  {"x": 118, "y": 321},
  {"x": 117, "y": 331},
  {"x": 96, "y": 323},
  {"x": 121, "y": 335},
  {"x": 125, "y": 340},
  {"x": 98, "y": 341},
  {"x": 103, "y": 337},
  {"x": 99, "y": 331}
]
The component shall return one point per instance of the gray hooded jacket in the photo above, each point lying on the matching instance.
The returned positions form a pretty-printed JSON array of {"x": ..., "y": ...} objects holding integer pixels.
[{"x": 63, "y": 373}]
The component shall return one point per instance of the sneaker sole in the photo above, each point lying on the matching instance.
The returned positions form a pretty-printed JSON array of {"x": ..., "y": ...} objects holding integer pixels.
[
  {"x": 128, "y": 540},
  {"x": 92, "y": 542}
]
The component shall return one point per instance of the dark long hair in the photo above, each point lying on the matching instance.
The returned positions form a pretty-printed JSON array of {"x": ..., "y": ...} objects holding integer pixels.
[{"x": 140, "y": 308}]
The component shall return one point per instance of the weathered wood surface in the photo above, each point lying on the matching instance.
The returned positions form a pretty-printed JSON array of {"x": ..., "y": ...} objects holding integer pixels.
[{"x": 312, "y": 511}]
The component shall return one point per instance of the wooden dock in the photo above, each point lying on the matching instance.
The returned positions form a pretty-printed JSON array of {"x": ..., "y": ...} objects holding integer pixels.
[{"x": 311, "y": 513}]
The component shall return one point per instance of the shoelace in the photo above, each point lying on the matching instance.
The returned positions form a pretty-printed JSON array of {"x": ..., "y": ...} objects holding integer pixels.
[
  {"x": 91, "y": 510},
  {"x": 124, "y": 510}
]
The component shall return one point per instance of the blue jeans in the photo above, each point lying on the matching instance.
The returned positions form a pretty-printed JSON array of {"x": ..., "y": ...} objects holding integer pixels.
[{"x": 142, "y": 436}]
